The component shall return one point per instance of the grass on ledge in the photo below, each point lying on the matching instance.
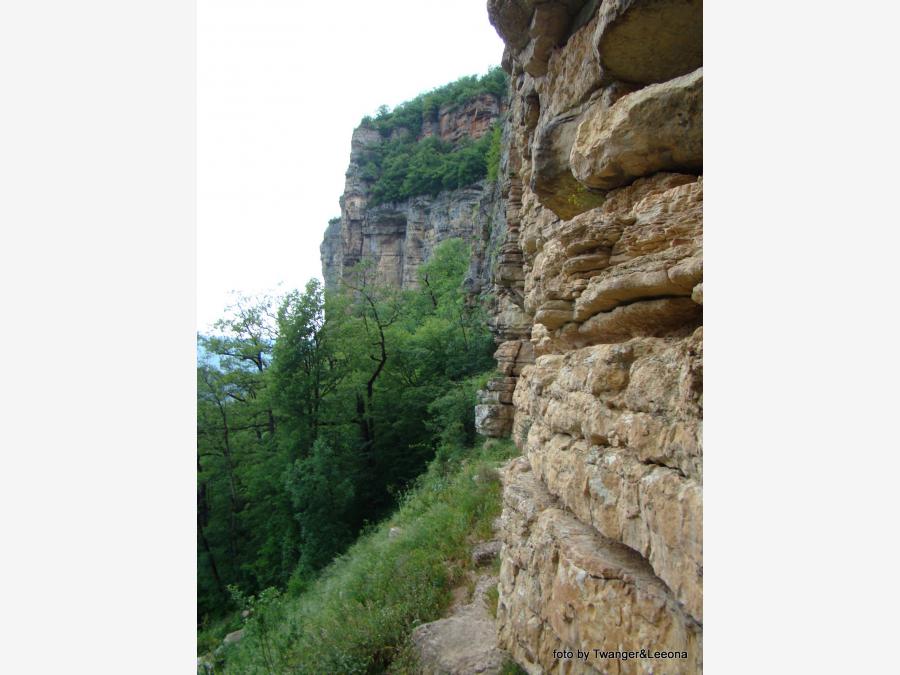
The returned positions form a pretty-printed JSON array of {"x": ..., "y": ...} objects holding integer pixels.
[{"x": 358, "y": 615}]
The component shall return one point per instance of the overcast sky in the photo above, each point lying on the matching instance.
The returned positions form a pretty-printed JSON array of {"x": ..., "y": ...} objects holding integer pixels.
[{"x": 281, "y": 85}]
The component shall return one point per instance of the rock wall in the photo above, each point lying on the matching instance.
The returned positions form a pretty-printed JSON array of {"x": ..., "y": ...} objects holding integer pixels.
[
  {"x": 472, "y": 119},
  {"x": 599, "y": 312},
  {"x": 397, "y": 237}
]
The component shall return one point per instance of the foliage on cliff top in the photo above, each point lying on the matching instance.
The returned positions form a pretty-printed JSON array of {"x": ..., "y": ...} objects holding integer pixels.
[
  {"x": 357, "y": 617},
  {"x": 403, "y": 168},
  {"x": 411, "y": 114}
]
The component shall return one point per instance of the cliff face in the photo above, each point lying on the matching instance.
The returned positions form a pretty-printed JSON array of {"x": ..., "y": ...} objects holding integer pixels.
[
  {"x": 472, "y": 120},
  {"x": 599, "y": 309},
  {"x": 397, "y": 237}
]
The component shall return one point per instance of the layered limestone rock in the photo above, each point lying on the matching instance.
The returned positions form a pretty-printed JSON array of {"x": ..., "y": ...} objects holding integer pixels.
[
  {"x": 658, "y": 128},
  {"x": 602, "y": 349},
  {"x": 472, "y": 119},
  {"x": 563, "y": 586},
  {"x": 648, "y": 41},
  {"x": 613, "y": 431},
  {"x": 397, "y": 237},
  {"x": 494, "y": 412},
  {"x": 509, "y": 322}
]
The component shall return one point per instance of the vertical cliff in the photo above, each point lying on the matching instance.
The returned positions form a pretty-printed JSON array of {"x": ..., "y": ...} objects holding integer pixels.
[
  {"x": 599, "y": 309},
  {"x": 398, "y": 235}
]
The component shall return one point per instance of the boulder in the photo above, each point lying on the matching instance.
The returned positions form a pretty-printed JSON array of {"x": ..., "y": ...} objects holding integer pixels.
[
  {"x": 511, "y": 20},
  {"x": 658, "y": 128},
  {"x": 647, "y": 41},
  {"x": 551, "y": 179},
  {"x": 548, "y": 26},
  {"x": 231, "y": 638}
]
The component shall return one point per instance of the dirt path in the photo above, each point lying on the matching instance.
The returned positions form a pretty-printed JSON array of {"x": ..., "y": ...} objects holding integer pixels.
[{"x": 464, "y": 642}]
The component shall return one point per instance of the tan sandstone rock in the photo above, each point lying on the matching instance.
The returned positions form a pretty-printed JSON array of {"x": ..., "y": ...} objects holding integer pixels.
[
  {"x": 552, "y": 178},
  {"x": 573, "y": 81},
  {"x": 564, "y": 586},
  {"x": 648, "y": 41},
  {"x": 602, "y": 516},
  {"x": 658, "y": 128}
]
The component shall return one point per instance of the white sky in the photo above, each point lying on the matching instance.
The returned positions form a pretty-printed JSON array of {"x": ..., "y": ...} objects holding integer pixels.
[{"x": 281, "y": 84}]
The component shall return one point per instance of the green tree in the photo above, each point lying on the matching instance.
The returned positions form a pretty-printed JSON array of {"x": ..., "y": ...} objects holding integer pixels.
[
  {"x": 305, "y": 368},
  {"x": 322, "y": 488},
  {"x": 316, "y": 410},
  {"x": 246, "y": 534}
]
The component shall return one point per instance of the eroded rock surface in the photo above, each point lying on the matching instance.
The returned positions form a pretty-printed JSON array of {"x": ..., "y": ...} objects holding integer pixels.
[
  {"x": 658, "y": 128},
  {"x": 648, "y": 41},
  {"x": 472, "y": 119},
  {"x": 602, "y": 514},
  {"x": 563, "y": 585},
  {"x": 613, "y": 430}
]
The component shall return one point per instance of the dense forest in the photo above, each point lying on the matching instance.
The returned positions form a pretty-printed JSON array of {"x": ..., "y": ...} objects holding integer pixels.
[
  {"x": 403, "y": 165},
  {"x": 316, "y": 411}
]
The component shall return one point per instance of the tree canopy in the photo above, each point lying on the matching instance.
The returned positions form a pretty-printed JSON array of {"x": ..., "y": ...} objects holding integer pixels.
[
  {"x": 404, "y": 165},
  {"x": 316, "y": 410},
  {"x": 404, "y": 168}
]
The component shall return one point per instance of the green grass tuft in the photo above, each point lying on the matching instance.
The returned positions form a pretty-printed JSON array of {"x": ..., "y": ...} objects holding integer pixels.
[
  {"x": 211, "y": 634},
  {"x": 493, "y": 598},
  {"x": 512, "y": 668}
]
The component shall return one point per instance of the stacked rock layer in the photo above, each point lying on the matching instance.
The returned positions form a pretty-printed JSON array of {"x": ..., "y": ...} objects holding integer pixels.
[{"x": 599, "y": 309}]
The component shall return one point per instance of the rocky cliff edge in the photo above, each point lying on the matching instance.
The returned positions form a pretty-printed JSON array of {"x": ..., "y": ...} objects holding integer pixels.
[{"x": 601, "y": 358}]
